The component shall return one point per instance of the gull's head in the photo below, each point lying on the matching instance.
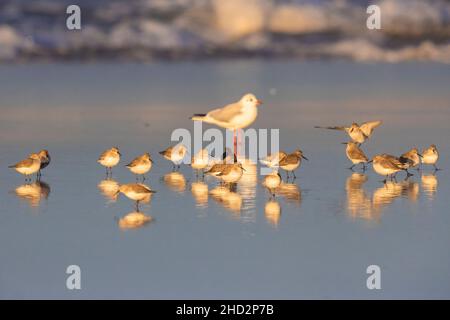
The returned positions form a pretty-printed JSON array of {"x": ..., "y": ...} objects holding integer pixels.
[{"x": 250, "y": 100}]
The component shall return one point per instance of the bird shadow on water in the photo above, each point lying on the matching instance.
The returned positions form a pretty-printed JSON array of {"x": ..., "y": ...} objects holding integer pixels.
[{"x": 360, "y": 204}]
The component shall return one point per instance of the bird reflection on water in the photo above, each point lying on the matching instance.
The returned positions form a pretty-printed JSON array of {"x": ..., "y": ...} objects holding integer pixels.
[
  {"x": 33, "y": 193},
  {"x": 134, "y": 220},
  {"x": 175, "y": 181},
  {"x": 363, "y": 206},
  {"x": 109, "y": 189}
]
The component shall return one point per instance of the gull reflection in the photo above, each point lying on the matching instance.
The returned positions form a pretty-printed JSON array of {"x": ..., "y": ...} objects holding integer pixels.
[
  {"x": 272, "y": 212},
  {"x": 429, "y": 185},
  {"x": 134, "y": 220},
  {"x": 290, "y": 192},
  {"x": 109, "y": 189},
  {"x": 175, "y": 181},
  {"x": 199, "y": 191},
  {"x": 246, "y": 187},
  {"x": 33, "y": 193},
  {"x": 228, "y": 199},
  {"x": 358, "y": 203}
]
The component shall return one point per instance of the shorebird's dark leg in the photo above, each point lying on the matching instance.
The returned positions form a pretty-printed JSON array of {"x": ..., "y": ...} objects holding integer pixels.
[
  {"x": 137, "y": 206},
  {"x": 235, "y": 143},
  {"x": 436, "y": 168},
  {"x": 295, "y": 177},
  {"x": 408, "y": 174},
  {"x": 364, "y": 167},
  {"x": 351, "y": 168},
  {"x": 287, "y": 175}
]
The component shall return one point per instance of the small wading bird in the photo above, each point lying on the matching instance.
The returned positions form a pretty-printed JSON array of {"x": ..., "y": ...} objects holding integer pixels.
[
  {"x": 291, "y": 162},
  {"x": 109, "y": 158},
  {"x": 231, "y": 173},
  {"x": 410, "y": 159},
  {"x": 386, "y": 165},
  {"x": 136, "y": 191},
  {"x": 430, "y": 156},
  {"x": 217, "y": 168},
  {"x": 200, "y": 161},
  {"x": 272, "y": 181},
  {"x": 175, "y": 154},
  {"x": 237, "y": 115},
  {"x": 28, "y": 166},
  {"x": 141, "y": 165},
  {"x": 44, "y": 156},
  {"x": 358, "y": 133},
  {"x": 355, "y": 155}
]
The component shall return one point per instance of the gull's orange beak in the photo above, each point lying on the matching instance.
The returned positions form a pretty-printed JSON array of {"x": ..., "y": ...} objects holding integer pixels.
[{"x": 259, "y": 102}]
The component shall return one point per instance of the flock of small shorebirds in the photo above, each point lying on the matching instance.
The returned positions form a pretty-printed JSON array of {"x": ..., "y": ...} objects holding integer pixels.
[{"x": 228, "y": 170}]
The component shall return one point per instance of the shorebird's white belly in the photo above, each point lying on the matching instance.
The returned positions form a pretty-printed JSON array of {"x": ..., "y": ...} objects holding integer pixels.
[
  {"x": 382, "y": 170},
  {"x": 232, "y": 176},
  {"x": 430, "y": 159},
  {"x": 109, "y": 161},
  {"x": 291, "y": 167},
  {"x": 177, "y": 157},
  {"x": 29, "y": 170},
  {"x": 141, "y": 168},
  {"x": 353, "y": 160},
  {"x": 137, "y": 196}
]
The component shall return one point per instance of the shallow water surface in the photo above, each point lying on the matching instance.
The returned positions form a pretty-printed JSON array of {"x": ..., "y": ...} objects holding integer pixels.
[{"x": 314, "y": 240}]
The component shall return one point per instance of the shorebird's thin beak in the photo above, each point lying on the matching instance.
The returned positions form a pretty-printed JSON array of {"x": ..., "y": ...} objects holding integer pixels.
[
  {"x": 259, "y": 102},
  {"x": 344, "y": 142},
  {"x": 421, "y": 156},
  {"x": 305, "y": 158}
]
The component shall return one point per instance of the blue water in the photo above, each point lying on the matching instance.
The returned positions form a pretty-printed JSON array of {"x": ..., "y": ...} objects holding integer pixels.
[{"x": 332, "y": 223}]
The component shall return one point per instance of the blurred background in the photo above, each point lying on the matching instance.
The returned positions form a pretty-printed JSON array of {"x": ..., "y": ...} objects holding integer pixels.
[{"x": 147, "y": 30}]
